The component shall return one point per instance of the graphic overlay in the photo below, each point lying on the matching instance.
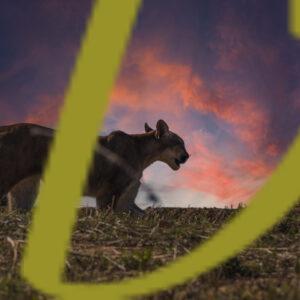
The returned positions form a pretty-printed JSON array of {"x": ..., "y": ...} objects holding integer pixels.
[
  {"x": 93, "y": 78},
  {"x": 294, "y": 20},
  {"x": 50, "y": 234}
]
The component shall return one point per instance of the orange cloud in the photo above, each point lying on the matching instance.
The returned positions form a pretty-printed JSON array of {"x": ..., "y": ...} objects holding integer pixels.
[
  {"x": 273, "y": 150},
  {"x": 150, "y": 84},
  {"x": 211, "y": 173},
  {"x": 231, "y": 181},
  {"x": 45, "y": 111},
  {"x": 254, "y": 168}
]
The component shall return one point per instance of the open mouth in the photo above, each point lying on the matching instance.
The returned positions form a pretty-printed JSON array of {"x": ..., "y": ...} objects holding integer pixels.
[{"x": 177, "y": 162}]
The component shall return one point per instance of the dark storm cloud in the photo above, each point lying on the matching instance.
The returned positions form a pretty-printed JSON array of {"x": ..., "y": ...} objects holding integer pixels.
[{"x": 39, "y": 41}]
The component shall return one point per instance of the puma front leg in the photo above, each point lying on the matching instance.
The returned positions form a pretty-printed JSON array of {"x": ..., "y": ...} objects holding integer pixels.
[
  {"x": 125, "y": 203},
  {"x": 104, "y": 201}
]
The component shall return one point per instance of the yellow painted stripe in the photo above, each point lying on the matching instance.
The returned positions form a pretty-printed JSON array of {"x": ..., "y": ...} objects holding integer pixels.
[
  {"x": 294, "y": 18},
  {"x": 103, "y": 46}
]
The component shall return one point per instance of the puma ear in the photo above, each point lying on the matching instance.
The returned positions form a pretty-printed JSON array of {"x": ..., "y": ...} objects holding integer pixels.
[
  {"x": 161, "y": 128},
  {"x": 148, "y": 128}
]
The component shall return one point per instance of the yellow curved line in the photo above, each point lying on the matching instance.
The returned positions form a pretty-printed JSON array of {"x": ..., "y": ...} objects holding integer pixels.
[
  {"x": 96, "y": 68},
  {"x": 294, "y": 18},
  {"x": 83, "y": 112}
]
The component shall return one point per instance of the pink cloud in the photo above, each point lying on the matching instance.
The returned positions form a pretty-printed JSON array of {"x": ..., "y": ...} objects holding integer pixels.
[
  {"x": 157, "y": 85},
  {"x": 45, "y": 111},
  {"x": 231, "y": 181},
  {"x": 151, "y": 85},
  {"x": 254, "y": 168},
  {"x": 148, "y": 85},
  {"x": 273, "y": 150}
]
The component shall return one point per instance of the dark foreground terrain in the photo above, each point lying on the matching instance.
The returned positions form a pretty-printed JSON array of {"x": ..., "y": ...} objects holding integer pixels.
[{"x": 108, "y": 247}]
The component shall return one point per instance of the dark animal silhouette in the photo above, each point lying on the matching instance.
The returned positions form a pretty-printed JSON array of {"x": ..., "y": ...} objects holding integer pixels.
[{"x": 114, "y": 178}]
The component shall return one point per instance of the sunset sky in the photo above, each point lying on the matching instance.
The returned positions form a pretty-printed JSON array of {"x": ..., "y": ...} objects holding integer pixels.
[{"x": 225, "y": 76}]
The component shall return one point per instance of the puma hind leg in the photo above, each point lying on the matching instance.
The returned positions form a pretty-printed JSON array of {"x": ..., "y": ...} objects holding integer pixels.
[{"x": 22, "y": 196}]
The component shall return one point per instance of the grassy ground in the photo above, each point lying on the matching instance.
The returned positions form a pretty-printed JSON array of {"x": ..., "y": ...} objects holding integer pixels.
[{"x": 108, "y": 247}]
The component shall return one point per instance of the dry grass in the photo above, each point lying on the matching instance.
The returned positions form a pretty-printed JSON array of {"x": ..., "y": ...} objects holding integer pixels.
[{"x": 109, "y": 247}]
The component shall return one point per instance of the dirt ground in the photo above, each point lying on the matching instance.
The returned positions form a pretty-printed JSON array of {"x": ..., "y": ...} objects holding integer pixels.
[{"x": 109, "y": 247}]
